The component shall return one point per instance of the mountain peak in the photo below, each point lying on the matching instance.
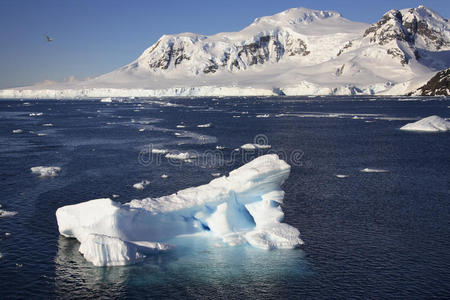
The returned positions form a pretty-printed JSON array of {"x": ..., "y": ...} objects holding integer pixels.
[
  {"x": 298, "y": 15},
  {"x": 420, "y": 27}
]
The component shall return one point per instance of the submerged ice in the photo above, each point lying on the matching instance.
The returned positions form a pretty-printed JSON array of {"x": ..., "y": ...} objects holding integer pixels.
[{"x": 243, "y": 207}]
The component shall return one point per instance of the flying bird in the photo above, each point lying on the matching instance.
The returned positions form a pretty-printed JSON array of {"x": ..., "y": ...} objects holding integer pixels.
[{"x": 49, "y": 39}]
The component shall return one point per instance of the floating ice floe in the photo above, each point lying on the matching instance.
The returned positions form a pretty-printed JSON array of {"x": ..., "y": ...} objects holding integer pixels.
[
  {"x": 207, "y": 125},
  {"x": 141, "y": 185},
  {"x": 46, "y": 171},
  {"x": 36, "y": 114},
  {"x": 215, "y": 174},
  {"x": 141, "y": 129},
  {"x": 47, "y": 125},
  {"x": 220, "y": 147},
  {"x": 243, "y": 207},
  {"x": 17, "y": 131},
  {"x": 263, "y": 116},
  {"x": 369, "y": 170},
  {"x": 159, "y": 151},
  {"x": 5, "y": 213},
  {"x": 429, "y": 124},
  {"x": 106, "y": 100},
  {"x": 255, "y": 146},
  {"x": 180, "y": 156},
  {"x": 41, "y": 134},
  {"x": 181, "y": 126},
  {"x": 341, "y": 176}
]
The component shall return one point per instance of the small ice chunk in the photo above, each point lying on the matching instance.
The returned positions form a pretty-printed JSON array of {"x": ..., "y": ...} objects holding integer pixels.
[
  {"x": 215, "y": 174},
  {"x": 255, "y": 146},
  {"x": 263, "y": 116},
  {"x": 429, "y": 124},
  {"x": 181, "y": 126},
  {"x": 46, "y": 171},
  {"x": 17, "y": 131},
  {"x": 7, "y": 233},
  {"x": 5, "y": 213},
  {"x": 220, "y": 147},
  {"x": 115, "y": 196},
  {"x": 106, "y": 100},
  {"x": 164, "y": 176},
  {"x": 47, "y": 125},
  {"x": 369, "y": 170},
  {"x": 141, "y": 185},
  {"x": 159, "y": 151},
  {"x": 341, "y": 176},
  {"x": 141, "y": 129},
  {"x": 41, "y": 134},
  {"x": 38, "y": 114},
  {"x": 180, "y": 156},
  {"x": 207, "y": 125}
]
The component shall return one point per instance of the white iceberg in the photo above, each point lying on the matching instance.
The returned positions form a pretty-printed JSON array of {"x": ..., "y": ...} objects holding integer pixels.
[
  {"x": 46, "y": 171},
  {"x": 17, "y": 131},
  {"x": 429, "y": 124},
  {"x": 141, "y": 185},
  {"x": 243, "y": 207}
]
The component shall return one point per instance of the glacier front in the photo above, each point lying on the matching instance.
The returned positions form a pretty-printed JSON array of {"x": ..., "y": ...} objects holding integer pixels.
[{"x": 243, "y": 207}]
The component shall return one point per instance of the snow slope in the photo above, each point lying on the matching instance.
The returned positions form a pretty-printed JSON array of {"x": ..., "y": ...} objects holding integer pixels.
[
  {"x": 296, "y": 52},
  {"x": 243, "y": 207}
]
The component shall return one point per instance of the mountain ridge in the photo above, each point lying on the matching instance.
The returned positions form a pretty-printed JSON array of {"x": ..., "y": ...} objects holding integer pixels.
[{"x": 299, "y": 51}]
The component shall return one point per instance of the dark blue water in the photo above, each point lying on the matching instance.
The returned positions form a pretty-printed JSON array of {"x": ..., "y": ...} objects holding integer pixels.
[{"x": 371, "y": 235}]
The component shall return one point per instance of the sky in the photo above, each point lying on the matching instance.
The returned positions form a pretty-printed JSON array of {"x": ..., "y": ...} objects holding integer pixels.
[{"x": 92, "y": 37}]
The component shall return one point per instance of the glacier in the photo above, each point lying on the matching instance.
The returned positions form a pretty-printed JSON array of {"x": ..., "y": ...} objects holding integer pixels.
[
  {"x": 241, "y": 208},
  {"x": 429, "y": 124}
]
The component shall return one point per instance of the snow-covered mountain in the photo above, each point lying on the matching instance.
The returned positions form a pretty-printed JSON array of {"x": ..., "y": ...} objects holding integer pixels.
[{"x": 296, "y": 52}]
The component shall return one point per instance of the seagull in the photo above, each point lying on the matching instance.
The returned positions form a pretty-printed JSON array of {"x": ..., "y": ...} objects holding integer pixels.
[{"x": 49, "y": 39}]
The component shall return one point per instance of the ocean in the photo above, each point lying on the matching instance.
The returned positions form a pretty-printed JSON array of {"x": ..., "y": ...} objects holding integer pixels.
[{"x": 372, "y": 234}]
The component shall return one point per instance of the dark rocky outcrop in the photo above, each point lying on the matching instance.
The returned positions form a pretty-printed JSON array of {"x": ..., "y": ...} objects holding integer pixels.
[{"x": 438, "y": 85}]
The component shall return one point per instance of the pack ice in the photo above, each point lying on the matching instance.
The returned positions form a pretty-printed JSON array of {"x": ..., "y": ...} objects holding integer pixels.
[
  {"x": 430, "y": 124},
  {"x": 243, "y": 207}
]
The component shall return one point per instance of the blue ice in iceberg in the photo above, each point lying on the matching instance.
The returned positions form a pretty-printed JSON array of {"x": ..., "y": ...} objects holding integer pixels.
[{"x": 243, "y": 207}]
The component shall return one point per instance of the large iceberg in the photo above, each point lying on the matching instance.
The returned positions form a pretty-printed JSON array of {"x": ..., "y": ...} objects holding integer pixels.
[
  {"x": 243, "y": 207},
  {"x": 430, "y": 124}
]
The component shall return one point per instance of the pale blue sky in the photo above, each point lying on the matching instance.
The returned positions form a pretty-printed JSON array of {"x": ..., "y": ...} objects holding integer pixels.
[{"x": 92, "y": 37}]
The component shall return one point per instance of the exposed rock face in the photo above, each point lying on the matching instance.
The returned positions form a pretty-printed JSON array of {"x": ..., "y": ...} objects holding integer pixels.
[
  {"x": 406, "y": 31},
  {"x": 409, "y": 26},
  {"x": 235, "y": 57},
  {"x": 439, "y": 85}
]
